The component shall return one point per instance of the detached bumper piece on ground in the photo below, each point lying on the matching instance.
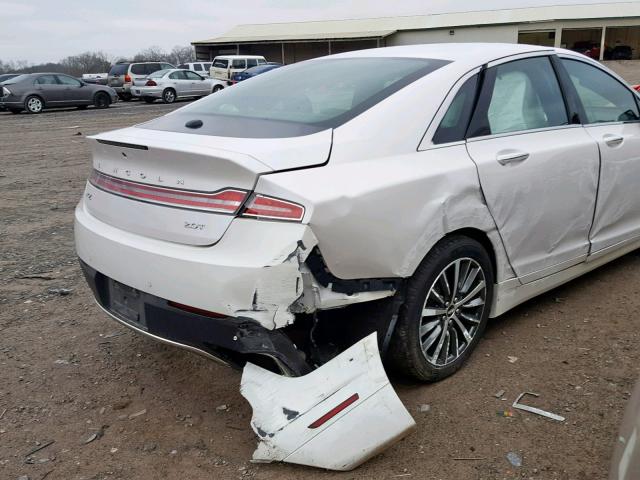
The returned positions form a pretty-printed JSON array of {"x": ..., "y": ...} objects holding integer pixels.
[{"x": 336, "y": 417}]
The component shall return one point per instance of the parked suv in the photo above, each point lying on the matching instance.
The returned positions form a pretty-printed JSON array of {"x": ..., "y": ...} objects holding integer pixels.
[
  {"x": 122, "y": 75},
  {"x": 201, "y": 68},
  {"x": 224, "y": 66}
]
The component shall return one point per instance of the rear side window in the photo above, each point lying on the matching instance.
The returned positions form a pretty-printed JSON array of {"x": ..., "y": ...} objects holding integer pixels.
[
  {"x": 65, "y": 80},
  {"x": 46, "y": 80},
  {"x": 178, "y": 75},
  {"x": 519, "y": 96},
  {"x": 222, "y": 63},
  {"x": 183, "y": 66},
  {"x": 119, "y": 69},
  {"x": 154, "y": 67},
  {"x": 453, "y": 126},
  {"x": 197, "y": 67},
  {"x": 237, "y": 63},
  {"x": 139, "y": 69},
  {"x": 604, "y": 98},
  {"x": 207, "y": 66},
  {"x": 191, "y": 75}
]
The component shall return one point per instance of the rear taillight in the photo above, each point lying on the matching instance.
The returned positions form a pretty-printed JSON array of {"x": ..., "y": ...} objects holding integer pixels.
[
  {"x": 127, "y": 78},
  {"x": 151, "y": 83},
  {"x": 262, "y": 206},
  {"x": 224, "y": 201}
]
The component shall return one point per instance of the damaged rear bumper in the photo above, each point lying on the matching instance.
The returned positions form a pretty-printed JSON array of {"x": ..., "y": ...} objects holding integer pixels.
[
  {"x": 335, "y": 417},
  {"x": 230, "y": 340},
  {"x": 256, "y": 271}
]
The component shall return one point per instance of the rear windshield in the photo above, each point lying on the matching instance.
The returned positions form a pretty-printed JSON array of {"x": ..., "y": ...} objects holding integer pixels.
[
  {"x": 304, "y": 97},
  {"x": 158, "y": 73},
  {"x": 119, "y": 69},
  {"x": 16, "y": 79},
  {"x": 222, "y": 63}
]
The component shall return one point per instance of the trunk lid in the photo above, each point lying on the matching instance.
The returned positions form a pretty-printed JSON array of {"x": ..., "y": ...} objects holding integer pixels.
[{"x": 148, "y": 179}]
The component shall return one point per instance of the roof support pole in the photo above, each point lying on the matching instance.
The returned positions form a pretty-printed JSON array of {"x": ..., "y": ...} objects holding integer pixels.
[
  {"x": 558, "y": 40},
  {"x": 602, "y": 42},
  {"x": 237, "y": 49},
  {"x": 329, "y": 47},
  {"x": 282, "y": 51}
]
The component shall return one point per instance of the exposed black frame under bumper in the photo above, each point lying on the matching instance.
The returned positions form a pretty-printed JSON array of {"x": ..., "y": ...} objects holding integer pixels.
[{"x": 229, "y": 339}]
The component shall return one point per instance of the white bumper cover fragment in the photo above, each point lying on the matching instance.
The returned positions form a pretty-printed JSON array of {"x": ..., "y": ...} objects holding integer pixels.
[{"x": 336, "y": 417}]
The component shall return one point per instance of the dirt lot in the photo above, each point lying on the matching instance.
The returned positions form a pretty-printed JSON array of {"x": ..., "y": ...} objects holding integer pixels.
[{"x": 69, "y": 374}]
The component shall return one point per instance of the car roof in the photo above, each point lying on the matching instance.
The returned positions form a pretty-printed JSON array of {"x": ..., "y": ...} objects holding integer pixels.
[{"x": 471, "y": 53}]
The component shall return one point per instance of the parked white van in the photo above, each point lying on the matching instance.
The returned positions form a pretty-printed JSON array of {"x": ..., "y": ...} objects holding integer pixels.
[
  {"x": 201, "y": 68},
  {"x": 224, "y": 66}
]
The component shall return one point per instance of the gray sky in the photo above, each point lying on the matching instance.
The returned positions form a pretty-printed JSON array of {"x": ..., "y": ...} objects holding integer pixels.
[{"x": 48, "y": 30}]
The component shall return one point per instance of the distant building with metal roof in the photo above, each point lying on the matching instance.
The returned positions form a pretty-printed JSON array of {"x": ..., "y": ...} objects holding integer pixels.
[{"x": 595, "y": 29}]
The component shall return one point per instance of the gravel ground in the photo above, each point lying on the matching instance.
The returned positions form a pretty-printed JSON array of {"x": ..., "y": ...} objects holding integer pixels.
[{"x": 119, "y": 406}]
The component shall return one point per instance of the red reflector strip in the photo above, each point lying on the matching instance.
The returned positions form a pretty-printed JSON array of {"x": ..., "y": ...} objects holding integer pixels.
[
  {"x": 334, "y": 411},
  {"x": 198, "y": 311},
  {"x": 275, "y": 208},
  {"x": 225, "y": 201}
]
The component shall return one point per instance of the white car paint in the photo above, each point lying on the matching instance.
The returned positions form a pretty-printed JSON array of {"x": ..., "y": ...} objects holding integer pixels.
[{"x": 286, "y": 409}]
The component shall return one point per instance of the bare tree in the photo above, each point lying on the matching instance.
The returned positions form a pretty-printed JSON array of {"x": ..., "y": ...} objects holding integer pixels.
[
  {"x": 151, "y": 54},
  {"x": 87, "y": 62},
  {"x": 180, "y": 55}
]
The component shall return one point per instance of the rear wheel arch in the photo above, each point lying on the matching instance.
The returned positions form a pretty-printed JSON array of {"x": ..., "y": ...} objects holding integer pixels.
[{"x": 483, "y": 239}]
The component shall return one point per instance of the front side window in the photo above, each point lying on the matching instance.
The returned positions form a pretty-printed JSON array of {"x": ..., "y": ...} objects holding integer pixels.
[
  {"x": 46, "y": 80},
  {"x": 453, "y": 126},
  {"x": 252, "y": 62},
  {"x": 519, "y": 96},
  {"x": 64, "y": 80},
  {"x": 604, "y": 98}
]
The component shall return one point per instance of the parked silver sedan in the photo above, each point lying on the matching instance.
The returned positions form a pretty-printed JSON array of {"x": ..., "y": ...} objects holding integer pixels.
[{"x": 172, "y": 84}]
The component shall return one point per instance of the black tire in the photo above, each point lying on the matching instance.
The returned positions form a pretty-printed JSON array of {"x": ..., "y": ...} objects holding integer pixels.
[
  {"x": 125, "y": 97},
  {"x": 15, "y": 110},
  {"x": 101, "y": 100},
  {"x": 217, "y": 88},
  {"x": 149, "y": 99},
  {"x": 405, "y": 354},
  {"x": 169, "y": 95},
  {"x": 33, "y": 104}
]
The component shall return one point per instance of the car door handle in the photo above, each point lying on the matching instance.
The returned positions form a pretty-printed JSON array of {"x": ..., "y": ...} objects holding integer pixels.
[
  {"x": 506, "y": 158},
  {"x": 613, "y": 140}
]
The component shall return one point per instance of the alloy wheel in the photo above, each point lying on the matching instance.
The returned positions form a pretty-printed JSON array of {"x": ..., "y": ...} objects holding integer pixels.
[
  {"x": 452, "y": 311},
  {"x": 34, "y": 104}
]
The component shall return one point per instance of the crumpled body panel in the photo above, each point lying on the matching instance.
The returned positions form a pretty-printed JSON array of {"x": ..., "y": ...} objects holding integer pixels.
[{"x": 336, "y": 417}]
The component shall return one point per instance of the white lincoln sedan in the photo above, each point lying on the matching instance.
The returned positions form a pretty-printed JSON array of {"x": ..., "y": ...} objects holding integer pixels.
[{"x": 434, "y": 185}]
